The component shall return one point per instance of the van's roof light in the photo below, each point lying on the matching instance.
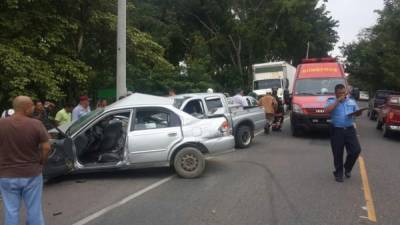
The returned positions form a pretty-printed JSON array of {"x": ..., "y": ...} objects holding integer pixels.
[{"x": 316, "y": 60}]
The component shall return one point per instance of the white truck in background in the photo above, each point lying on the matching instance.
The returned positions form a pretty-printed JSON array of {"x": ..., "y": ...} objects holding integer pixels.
[{"x": 274, "y": 74}]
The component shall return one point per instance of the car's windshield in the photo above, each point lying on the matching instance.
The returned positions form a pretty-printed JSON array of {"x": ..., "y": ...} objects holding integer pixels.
[
  {"x": 266, "y": 84},
  {"x": 76, "y": 125},
  {"x": 317, "y": 86}
]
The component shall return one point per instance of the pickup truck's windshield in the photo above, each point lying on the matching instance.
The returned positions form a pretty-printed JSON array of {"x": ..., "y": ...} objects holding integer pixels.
[
  {"x": 178, "y": 101},
  {"x": 266, "y": 84},
  {"x": 310, "y": 87}
]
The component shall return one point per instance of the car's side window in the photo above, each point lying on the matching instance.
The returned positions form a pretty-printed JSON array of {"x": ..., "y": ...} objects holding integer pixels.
[
  {"x": 195, "y": 108},
  {"x": 146, "y": 119}
]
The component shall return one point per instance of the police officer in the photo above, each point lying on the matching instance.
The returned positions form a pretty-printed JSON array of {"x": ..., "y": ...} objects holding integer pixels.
[{"x": 343, "y": 133}]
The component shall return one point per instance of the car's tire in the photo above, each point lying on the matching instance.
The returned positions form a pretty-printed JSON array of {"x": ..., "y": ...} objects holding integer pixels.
[
  {"x": 386, "y": 132},
  {"x": 244, "y": 136},
  {"x": 379, "y": 125},
  {"x": 189, "y": 163}
]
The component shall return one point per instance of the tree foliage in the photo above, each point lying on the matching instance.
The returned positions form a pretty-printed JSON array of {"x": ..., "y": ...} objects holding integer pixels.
[
  {"x": 59, "y": 49},
  {"x": 373, "y": 61}
]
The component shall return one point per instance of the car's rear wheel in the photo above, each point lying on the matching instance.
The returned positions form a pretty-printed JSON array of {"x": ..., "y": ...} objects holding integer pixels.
[
  {"x": 189, "y": 162},
  {"x": 243, "y": 137}
]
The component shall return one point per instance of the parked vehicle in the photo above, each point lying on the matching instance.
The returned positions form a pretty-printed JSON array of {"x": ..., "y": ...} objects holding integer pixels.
[
  {"x": 244, "y": 121},
  {"x": 364, "y": 96},
  {"x": 389, "y": 116},
  {"x": 377, "y": 101},
  {"x": 138, "y": 131},
  {"x": 315, "y": 82},
  {"x": 274, "y": 75}
]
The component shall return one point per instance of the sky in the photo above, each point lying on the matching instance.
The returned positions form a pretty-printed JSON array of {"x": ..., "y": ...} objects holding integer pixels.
[{"x": 353, "y": 16}]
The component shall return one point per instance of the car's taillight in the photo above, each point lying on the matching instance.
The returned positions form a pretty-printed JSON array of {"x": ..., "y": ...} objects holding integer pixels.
[{"x": 225, "y": 128}]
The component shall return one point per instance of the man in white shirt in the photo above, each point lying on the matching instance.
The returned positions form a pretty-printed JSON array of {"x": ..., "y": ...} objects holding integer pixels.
[
  {"x": 239, "y": 99},
  {"x": 82, "y": 109}
]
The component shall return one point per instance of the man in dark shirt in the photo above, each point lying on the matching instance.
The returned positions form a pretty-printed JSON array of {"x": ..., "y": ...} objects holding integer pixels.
[{"x": 24, "y": 148}]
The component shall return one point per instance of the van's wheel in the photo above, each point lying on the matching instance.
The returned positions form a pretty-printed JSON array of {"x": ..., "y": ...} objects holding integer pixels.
[
  {"x": 189, "y": 162},
  {"x": 386, "y": 131},
  {"x": 379, "y": 125},
  {"x": 295, "y": 131},
  {"x": 243, "y": 137}
]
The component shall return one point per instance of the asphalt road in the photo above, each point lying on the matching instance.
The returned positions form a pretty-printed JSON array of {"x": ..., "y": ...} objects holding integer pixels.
[{"x": 280, "y": 180}]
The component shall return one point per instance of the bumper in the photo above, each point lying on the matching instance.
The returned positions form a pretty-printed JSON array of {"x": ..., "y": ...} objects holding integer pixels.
[
  {"x": 309, "y": 122},
  {"x": 220, "y": 145},
  {"x": 394, "y": 127}
]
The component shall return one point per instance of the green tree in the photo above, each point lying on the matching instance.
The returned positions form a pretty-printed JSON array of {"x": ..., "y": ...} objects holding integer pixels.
[{"x": 372, "y": 61}]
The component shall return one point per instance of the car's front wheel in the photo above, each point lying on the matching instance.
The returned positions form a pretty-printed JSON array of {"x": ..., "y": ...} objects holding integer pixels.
[{"x": 189, "y": 162}]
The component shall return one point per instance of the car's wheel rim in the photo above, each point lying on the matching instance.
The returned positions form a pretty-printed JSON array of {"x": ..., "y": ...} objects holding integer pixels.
[
  {"x": 189, "y": 162},
  {"x": 246, "y": 138}
]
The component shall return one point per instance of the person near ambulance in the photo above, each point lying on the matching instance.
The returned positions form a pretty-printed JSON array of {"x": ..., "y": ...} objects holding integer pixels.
[{"x": 270, "y": 105}]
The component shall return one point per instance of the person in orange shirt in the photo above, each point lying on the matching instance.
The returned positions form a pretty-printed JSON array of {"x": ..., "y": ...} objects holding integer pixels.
[{"x": 270, "y": 106}]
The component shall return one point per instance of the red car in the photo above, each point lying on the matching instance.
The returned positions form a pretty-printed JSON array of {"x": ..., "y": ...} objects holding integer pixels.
[{"x": 389, "y": 116}]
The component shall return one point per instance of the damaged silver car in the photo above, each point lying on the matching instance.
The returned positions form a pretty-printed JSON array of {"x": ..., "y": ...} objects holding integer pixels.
[{"x": 135, "y": 132}]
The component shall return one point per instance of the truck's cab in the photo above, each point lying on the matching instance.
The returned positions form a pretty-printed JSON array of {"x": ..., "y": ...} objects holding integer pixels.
[
  {"x": 267, "y": 76},
  {"x": 314, "y": 83}
]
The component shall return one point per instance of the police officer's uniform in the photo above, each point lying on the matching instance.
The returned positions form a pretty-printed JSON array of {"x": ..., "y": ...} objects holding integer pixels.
[{"x": 343, "y": 134}]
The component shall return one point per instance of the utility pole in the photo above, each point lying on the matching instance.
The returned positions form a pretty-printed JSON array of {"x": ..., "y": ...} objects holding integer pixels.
[
  {"x": 308, "y": 49},
  {"x": 121, "y": 49}
]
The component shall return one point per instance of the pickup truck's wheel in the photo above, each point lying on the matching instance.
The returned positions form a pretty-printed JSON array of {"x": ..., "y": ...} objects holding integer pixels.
[
  {"x": 243, "y": 137},
  {"x": 189, "y": 162},
  {"x": 386, "y": 131}
]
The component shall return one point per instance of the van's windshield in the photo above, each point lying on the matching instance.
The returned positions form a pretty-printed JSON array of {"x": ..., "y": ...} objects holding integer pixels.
[
  {"x": 266, "y": 84},
  {"x": 317, "y": 86}
]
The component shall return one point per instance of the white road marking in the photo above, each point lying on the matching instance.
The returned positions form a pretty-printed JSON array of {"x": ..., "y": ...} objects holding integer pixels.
[{"x": 122, "y": 201}]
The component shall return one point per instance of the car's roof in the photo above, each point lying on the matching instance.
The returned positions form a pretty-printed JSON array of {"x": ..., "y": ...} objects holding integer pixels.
[
  {"x": 137, "y": 99},
  {"x": 190, "y": 95}
]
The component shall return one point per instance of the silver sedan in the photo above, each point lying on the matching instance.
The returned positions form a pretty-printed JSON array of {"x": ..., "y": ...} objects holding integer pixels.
[{"x": 138, "y": 131}]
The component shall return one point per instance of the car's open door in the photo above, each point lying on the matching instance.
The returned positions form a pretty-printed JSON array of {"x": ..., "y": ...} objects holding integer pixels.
[{"x": 61, "y": 158}]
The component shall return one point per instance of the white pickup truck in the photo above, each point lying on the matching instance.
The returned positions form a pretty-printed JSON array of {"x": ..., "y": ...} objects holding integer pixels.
[{"x": 244, "y": 121}]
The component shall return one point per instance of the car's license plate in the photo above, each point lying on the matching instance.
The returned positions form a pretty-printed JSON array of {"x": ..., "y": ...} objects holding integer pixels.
[{"x": 315, "y": 120}]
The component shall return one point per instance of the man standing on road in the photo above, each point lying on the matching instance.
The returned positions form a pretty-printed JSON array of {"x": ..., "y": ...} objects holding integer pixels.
[
  {"x": 82, "y": 109},
  {"x": 239, "y": 99},
  {"x": 343, "y": 133},
  {"x": 24, "y": 148},
  {"x": 270, "y": 105}
]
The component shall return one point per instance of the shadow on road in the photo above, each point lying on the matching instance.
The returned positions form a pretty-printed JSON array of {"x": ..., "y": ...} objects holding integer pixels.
[{"x": 114, "y": 175}]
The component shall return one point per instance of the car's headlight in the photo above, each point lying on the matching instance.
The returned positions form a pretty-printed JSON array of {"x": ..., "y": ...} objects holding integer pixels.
[{"x": 297, "y": 109}]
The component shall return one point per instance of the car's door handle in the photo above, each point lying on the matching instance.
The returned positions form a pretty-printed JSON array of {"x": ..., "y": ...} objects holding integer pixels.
[{"x": 174, "y": 134}]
